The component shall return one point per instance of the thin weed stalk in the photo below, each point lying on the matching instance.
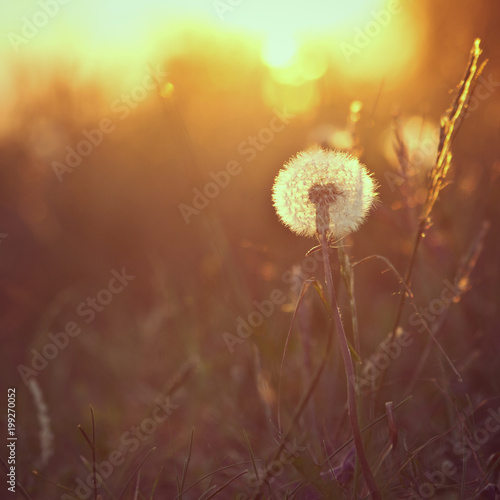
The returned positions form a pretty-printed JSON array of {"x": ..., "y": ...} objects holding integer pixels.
[
  {"x": 349, "y": 370},
  {"x": 347, "y": 273},
  {"x": 136, "y": 471},
  {"x": 91, "y": 443},
  {"x": 296, "y": 415},
  {"x": 463, "y": 279},
  {"x": 450, "y": 124}
]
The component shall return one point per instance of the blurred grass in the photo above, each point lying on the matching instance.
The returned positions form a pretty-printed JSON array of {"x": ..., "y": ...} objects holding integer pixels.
[{"x": 119, "y": 208}]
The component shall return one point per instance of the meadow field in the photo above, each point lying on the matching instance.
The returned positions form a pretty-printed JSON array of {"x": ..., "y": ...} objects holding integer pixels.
[{"x": 165, "y": 336}]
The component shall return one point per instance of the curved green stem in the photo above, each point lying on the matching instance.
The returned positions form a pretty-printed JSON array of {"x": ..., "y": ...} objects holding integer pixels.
[{"x": 349, "y": 370}]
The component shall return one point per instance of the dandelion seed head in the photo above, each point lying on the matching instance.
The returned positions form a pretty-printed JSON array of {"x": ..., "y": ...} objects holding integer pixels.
[{"x": 323, "y": 190}]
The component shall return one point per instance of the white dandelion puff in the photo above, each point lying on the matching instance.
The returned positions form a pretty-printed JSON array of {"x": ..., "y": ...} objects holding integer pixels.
[{"x": 322, "y": 190}]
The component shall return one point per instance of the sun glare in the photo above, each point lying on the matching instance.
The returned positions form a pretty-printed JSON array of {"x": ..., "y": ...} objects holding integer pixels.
[
  {"x": 318, "y": 16},
  {"x": 279, "y": 50},
  {"x": 297, "y": 45}
]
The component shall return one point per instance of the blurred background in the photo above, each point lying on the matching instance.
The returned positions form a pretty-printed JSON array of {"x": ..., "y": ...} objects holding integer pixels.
[{"x": 116, "y": 121}]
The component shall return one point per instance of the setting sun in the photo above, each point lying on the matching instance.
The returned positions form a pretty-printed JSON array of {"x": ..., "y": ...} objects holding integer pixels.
[
  {"x": 126, "y": 35},
  {"x": 279, "y": 50}
]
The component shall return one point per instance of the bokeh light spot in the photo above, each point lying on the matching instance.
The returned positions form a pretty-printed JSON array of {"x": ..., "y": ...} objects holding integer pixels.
[
  {"x": 279, "y": 50},
  {"x": 167, "y": 90}
]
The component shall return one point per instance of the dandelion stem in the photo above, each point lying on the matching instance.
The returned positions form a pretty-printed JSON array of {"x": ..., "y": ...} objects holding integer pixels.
[{"x": 349, "y": 370}]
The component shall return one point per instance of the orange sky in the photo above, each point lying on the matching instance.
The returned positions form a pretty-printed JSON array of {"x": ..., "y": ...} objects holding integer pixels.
[
  {"x": 118, "y": 30},
  {"x": 366, "y": 39}
]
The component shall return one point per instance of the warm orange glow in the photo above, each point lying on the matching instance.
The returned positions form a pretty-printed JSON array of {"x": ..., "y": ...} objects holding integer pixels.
[
  {"x": 421, "y": 138},
  {"x": 297, "y": 99},
  {"x": 148, "y": 270},
  {"x": 317, "y": 17},
  {"x": 297, "y": 44},
  {"x": 309, "y": 63}
]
